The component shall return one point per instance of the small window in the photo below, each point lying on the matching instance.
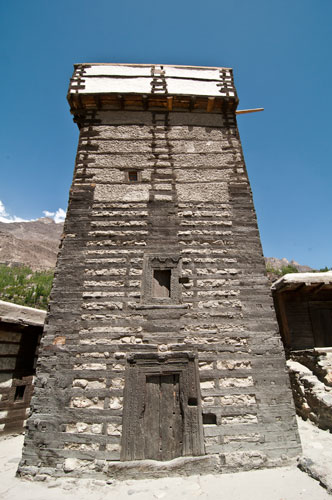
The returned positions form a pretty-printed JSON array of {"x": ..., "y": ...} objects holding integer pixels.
[
  {"x": 19, "y": 393},
  {"x": 161, "y": 283},
  {"x": 209, "y": 418},
  {"x": 160, "y": 279},
  {"x": 133, "y": 176}
]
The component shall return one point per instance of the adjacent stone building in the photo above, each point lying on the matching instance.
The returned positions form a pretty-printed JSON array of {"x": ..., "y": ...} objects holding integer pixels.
[
  {"x": 303, "y": 303},
  {"x": 20, "y": 331},
  {"x": 161, "y": 353}
]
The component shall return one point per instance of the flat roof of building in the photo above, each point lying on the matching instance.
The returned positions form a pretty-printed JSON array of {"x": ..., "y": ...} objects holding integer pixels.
[
  {"x": 294, "y": 280},
  {"x": 21, "y": 315}
]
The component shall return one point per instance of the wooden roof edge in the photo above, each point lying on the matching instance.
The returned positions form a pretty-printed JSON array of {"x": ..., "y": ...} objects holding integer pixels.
[
  {"x": 293, "y": 280},
  {"x": 21, "y": 315},
  {"x": 73, "y": 97}
]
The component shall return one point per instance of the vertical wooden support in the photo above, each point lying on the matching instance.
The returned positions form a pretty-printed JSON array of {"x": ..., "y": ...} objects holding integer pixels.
[{"x": 210, "y": 104}]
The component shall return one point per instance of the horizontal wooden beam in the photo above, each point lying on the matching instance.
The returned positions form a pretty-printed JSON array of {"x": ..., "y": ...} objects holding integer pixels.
[{"x": 149, "y": 102}]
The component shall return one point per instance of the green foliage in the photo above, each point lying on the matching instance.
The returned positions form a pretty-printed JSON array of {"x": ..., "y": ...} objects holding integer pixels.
[
  {"x": 272, "y": 270},
  {"x": 281, "y": 272},
  {"x": 23, "y": 286},
  {"x": 288, "y": 269},
  {"x": 325, "y": 269}
]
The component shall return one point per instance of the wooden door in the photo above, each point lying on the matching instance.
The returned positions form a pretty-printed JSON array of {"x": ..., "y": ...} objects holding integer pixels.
[
  {"x": 162, "y": 415},
  {"x": 163, "y": 418}
]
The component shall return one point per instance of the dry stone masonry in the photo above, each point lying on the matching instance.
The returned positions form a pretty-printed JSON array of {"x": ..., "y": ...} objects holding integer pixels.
[{"x": 161, "y": 353}]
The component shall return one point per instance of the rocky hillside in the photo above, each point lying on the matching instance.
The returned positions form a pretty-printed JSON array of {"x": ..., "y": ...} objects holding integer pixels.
[
  {"x": 276, "y": 268},
  {"x": 34, "y": 243},
  {"x": 21, "y": 285},
  {"x": 279, "y": 264}
]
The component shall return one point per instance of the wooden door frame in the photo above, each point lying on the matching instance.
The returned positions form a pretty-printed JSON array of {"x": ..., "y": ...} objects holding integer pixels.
[{"x": 141, "y": 365}]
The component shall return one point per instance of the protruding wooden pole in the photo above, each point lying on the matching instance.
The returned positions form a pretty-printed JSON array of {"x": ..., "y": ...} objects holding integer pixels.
[{"x": 243, "y": 111}]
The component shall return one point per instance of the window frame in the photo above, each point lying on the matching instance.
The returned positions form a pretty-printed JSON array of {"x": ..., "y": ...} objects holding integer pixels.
[
  {"x": 167, "y": 262},
  {"x": 138, "y": 176}
]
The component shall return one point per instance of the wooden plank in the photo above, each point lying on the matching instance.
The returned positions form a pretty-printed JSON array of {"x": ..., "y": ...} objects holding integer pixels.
[
  {"x": 138, "y": 420},
  {"x": 192, "y": 386},
  {"x": 193, "y": 430},
  {"x": 177, "y": 419},
  {"x": 184, "y": 396},
  {"x": 166, "y": 417},
  {"x": 152, "y": 418},
  {"x": 199, "y": 448},
  {"x": 171, "y": 419},
  {"x": 126, "y": 447}
]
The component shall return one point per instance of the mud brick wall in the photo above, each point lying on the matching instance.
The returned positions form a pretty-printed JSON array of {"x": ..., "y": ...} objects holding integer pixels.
[{"x": 191, "y": 204}]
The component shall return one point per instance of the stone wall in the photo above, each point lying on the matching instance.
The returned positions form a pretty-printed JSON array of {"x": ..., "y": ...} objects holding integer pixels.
[
  {"x": 311, "y": 380},
  {"x": 191, "y": 204}
]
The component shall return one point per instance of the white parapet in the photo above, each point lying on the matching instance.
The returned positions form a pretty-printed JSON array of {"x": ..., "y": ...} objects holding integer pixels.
[{"x": 150, "y": 78}]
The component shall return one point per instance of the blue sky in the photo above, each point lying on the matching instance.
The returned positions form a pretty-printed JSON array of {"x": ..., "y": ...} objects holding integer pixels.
[{"x": 281, "y": 55}]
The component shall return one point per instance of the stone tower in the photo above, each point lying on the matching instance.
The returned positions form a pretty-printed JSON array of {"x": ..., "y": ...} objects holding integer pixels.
[{"x": 160, "y": 341}]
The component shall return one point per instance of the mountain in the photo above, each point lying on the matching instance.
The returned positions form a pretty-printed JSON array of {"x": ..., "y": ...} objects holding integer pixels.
[
  {"x": 36, "y": 243},
  {"x": 275, "y": 268},
  {"x": 279, "y": 264},
  {"x": 33, "y": 243}
]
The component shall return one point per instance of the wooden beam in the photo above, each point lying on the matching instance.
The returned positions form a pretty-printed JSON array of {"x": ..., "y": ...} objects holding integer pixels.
[
  {"x": 192, "y": 103},
  {"x": 169, "y": 103},
  {"x": 284, "y": 327},
  {"x": 244, "y": 111},
  {"x": 317, "y": 288},
  {"x": 121, "y": 101},
  {"x": 210, "y": 104},
  {"x": 97, "y": 101},
  {"x": 298, "y": 287},
  {"x": 145, "y": 102}
]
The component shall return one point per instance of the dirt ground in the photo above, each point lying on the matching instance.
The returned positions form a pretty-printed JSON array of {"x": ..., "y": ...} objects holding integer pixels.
[{"x": 288, "y": 483}]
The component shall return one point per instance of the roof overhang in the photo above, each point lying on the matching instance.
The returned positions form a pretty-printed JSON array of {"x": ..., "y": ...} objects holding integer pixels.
[
  {"x": 21, "y": 315},
  {"x": 303, "y": 281}
]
